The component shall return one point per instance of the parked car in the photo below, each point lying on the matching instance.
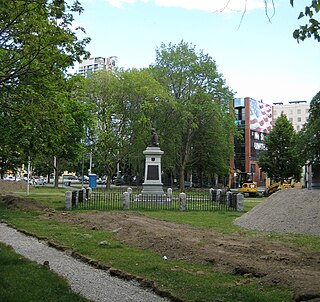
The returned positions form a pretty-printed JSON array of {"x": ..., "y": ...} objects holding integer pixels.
[
  {"x": 85, "y": 178},
  {"x": 12, "y": 178},
  {"x": 40, "y": 182},
  {"x": 67, "y": 180}
]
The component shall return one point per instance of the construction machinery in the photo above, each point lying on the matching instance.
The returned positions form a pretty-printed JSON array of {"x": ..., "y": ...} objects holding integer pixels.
[
  {"x": 274, "y": 186},
  {"x": 247, "y": 186}
]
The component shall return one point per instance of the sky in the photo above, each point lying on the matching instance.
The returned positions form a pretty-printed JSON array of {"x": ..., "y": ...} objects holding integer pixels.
[{"x": 254, "y": 50}]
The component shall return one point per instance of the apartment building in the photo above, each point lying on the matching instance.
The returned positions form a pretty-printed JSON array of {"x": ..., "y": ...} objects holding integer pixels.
[
  {"x": 297, "y": 112},
  {"x": 87, "y": 67}
]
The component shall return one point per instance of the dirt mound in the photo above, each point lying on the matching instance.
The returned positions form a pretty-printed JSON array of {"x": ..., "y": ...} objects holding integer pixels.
[
  {"x": 271, "y": 262},
  {"x": 11, "y": 186},
  {"x": 16, "y": 202},
  {"x": 290, "y": 211}
]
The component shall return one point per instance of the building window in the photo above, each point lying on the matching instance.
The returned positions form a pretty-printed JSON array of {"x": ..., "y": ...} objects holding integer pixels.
[
  {"x": 298, "y": 128},
  {"x": 298, "y": 111},
  {"x": 290, "y": 111},
  {"x": 299, "y": 119},
  {"x": 253, "y": 168},
  {"x": 290, "y": 119}
]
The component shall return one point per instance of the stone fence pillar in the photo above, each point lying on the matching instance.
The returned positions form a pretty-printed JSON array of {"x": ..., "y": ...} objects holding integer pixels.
[
  {"x": 126, "y": 201},
  {"x": 240, "y": 202},
  {"x": 68, "y": 203},
  {"x": 183, "y": 201},
  {"x": 129, "y": 190},
  {"x": 211, "y": 194},
  {"x": 218, "y": 198},
  {"x": 229, "y": 198}
]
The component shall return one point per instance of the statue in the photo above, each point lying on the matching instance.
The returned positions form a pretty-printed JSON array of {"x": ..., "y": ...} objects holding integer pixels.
[{"x": 154, "y": 139}]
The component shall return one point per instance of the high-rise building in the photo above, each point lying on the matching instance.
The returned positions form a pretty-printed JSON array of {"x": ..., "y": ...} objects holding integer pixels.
[
  {"x": 297, "y": 112},
  {"x": 91, "y": 65}
]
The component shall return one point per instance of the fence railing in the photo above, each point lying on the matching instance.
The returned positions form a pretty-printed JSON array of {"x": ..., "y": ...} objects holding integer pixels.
[{"x": 211, "y": 200}]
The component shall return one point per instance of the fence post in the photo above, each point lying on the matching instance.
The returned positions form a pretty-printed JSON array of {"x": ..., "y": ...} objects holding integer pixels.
[
  {"x": 130, "y": 193},
  {"x": 68, "y": 203},
  {"x": 240, "y": 202},
  {"x": 218, "y": 198},
  {"x": 126, "y": 201},
  {"x": 229, "y": 199},
  {"x": 169, "y": 197},
  {"x": 182, "y": 199},
  {"x": 211, "y": 194}
]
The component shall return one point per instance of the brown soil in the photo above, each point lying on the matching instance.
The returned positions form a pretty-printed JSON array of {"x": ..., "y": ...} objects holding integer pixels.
[
  {"x": 20, "y": 203},
  {"x": 11, "y": 186},
  {"x": 270, "y": 262},
  {"x": 273, "y": 263}
]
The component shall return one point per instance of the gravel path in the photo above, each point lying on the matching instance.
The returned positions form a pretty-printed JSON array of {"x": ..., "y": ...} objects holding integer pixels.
[{"x": 94, "y": 284}]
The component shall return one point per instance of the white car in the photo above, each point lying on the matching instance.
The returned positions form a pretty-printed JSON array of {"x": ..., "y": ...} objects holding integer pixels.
[{"x": 12, "y": 178}]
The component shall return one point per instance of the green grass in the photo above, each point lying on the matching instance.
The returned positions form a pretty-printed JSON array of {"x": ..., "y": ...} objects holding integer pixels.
[
  {"x": 23, "y": 280},
  {"x": 191, "y": 282},
  {"x": 49, "y": 196},
  {"x": 188, "y": 281}
]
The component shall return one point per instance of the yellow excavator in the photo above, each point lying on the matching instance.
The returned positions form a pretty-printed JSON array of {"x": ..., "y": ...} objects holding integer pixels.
[
  {"x": 247, "y": 186},
  {"x": 274, "y": 186}
]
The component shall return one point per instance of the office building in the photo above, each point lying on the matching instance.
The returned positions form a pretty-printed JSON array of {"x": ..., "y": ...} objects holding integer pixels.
[
  {"x": 297, "y": 112},
  {"x": 87, "y": 67}
]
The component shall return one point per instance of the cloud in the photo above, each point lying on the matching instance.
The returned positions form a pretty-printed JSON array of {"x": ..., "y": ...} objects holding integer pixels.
[{"x": 203, "y": 5}]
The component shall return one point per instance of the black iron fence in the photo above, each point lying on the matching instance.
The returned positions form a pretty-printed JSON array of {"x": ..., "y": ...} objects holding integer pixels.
[{"x": 211, "y": 200}]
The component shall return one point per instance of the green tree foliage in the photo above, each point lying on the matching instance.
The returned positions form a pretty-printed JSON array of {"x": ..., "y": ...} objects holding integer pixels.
[
  {"x": 280, "y": 159},
  {"x": 312, "y": 27},
  {"x": 123, "y": 104},
  {"x": 36, "y": 43},
  {"x": 309, "y": 140},
  {"x": 201, "y": 135},
  {"x": 37, "y": 46}
]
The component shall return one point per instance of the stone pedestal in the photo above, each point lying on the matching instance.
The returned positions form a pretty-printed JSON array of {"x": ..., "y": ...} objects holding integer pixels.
[{"x": 152, "y": 177}]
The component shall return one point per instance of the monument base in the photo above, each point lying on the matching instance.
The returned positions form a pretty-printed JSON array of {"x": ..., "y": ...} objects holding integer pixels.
[
  {"x": 152, "y": 189},
  {"x": 152, "y": 185}
]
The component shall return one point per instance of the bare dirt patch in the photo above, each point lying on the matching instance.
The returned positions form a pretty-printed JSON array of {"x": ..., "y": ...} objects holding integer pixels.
[
  {"x": 20, "y": 203},
  {"x": 12, "y": 186},
  {"x": 270, "y": 262}
]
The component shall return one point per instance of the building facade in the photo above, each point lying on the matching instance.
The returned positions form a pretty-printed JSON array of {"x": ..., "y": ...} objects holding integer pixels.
[
  {"x": 296, "y": 112},
  {"x": 254, "y": 121},
  {"x": 87, "y": 67}
]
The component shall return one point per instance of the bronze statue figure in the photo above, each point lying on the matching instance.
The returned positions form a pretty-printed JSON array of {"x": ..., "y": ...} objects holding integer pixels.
[{"x": 154, "y": 139}]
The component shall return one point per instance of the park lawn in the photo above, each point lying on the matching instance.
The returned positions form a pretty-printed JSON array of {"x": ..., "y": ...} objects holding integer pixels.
[
  {"x": 188, "y": 281},
  {"x": 24, "y": 280}
]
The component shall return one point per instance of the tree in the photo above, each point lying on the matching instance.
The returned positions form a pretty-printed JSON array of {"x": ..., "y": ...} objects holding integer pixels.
[
  {"x": 309, "y": 141},
  {"x": 37, "y": 46},
  {"x": 123, "y": 105},
  {"x": 280, "y": 159},
  {"x": 36, "y": 43},
  {"x": 312, "y": 28},
  {"x": 194, "y": 83}
]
